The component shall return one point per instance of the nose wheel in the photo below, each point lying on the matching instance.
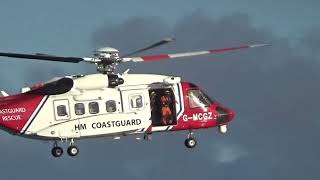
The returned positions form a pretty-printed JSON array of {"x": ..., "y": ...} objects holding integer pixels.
[
  {"x": 223, "y": 129},
  {"x": 190, "y": 142}
]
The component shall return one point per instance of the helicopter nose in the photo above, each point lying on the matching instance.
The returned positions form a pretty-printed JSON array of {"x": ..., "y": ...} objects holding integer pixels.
[
  {"x": 224, "y": 115},
  {"x": 231, "y": 115}
]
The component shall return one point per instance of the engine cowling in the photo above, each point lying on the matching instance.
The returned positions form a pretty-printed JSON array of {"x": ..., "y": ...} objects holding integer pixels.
[
  {"x": 97, "y": 81},
  {"x": 91, "y": 82}
]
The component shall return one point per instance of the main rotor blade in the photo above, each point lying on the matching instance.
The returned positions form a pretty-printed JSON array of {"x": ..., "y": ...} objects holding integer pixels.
[
  {"x": 43, "y": 57},
  {"x": 160, "y": 43},
  {"x": 189, "y": 54}
]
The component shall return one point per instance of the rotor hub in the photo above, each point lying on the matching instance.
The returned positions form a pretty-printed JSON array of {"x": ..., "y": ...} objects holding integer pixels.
[
  {"x": 108, "y": 58},
  {"x": 106, "y": 52}
]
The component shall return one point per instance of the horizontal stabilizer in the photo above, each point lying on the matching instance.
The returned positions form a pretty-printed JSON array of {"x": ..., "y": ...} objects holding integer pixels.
[{"x": 3, "y": 94}]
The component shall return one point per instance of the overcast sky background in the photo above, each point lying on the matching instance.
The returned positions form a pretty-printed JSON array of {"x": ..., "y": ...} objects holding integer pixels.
[{"x": 274, "y": 91}]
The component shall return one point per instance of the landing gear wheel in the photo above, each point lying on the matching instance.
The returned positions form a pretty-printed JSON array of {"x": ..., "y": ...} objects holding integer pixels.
[
  {"x": 73, "y": 150},
  {"x": 223, "y": 129},
  {"x": 190, "y": 143},
  {"x": 57, "y": 151}
]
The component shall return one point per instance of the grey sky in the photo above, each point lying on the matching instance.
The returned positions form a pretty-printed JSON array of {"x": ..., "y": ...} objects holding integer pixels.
[{"x": 274, "y": 90}]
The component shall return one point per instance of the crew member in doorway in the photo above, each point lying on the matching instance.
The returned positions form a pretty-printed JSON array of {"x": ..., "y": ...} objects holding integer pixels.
[
  {"x": 154, "y": 109},
  {"x": 166, "y": 112},
  {"x": 153, "y": 95}
]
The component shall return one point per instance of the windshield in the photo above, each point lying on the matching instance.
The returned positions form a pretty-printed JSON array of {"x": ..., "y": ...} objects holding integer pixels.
[{"x": 198, "y": 99}]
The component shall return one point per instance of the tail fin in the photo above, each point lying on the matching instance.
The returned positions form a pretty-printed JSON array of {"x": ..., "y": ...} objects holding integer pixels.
[{"x": 3, "y": 94}]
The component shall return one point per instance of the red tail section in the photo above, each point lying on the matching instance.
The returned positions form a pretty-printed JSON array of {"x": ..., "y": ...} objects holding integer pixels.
[{"x": 18, "y": 111}]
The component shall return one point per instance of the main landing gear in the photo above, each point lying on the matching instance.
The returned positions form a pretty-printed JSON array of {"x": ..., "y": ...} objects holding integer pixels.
[
  {"x": 57, "y": 151},
  {"x": 190, "y": 142}
]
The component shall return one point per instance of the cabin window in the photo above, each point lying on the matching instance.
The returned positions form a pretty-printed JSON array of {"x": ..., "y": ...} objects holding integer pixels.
[
  {"x": 93, "y": 108},
  {"x": 198, "y": 99},
  {"x": 111, "y": 106},
  {"x": 62, "y": 110},
  {"x": 136, "y": 101},
  {"x": 79, "y": 109}
]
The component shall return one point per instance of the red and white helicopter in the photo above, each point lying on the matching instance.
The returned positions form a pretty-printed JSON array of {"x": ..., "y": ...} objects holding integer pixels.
[{"x": 109, "y": 104}]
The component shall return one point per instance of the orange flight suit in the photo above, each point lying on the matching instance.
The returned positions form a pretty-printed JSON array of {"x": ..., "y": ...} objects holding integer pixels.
[{"x": 166, "y": 111}]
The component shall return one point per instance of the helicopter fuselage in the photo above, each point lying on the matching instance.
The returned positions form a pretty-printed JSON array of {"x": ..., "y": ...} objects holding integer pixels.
[{"x": 76, "y": 107}]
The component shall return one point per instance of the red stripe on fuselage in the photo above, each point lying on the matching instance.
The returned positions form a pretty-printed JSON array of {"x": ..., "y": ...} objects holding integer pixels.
[{"x": 15, "y": 111}]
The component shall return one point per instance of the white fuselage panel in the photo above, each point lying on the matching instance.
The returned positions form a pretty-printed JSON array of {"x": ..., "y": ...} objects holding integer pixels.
[{"x": 99, "y": 112}]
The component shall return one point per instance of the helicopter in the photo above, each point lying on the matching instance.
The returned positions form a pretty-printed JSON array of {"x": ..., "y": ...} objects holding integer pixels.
[{"x": 110, "y": 104}]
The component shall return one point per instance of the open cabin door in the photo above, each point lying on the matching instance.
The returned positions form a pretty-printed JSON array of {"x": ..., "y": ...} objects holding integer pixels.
[{"x": 163, "y": 107}]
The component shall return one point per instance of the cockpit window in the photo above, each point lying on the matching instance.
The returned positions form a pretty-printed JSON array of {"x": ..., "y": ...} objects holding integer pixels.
[{"x": 198, "y": 99}]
